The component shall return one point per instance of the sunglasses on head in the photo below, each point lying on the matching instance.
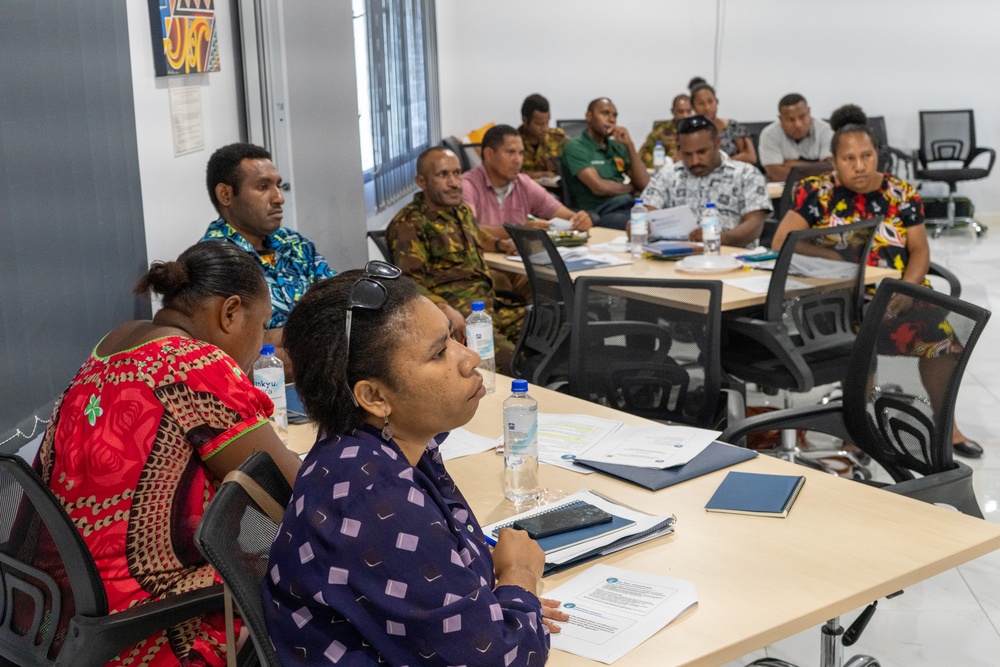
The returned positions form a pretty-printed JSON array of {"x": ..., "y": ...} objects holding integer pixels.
[
  {"x": 368, "y": 293},
  {"x": 692, "y": 124}
]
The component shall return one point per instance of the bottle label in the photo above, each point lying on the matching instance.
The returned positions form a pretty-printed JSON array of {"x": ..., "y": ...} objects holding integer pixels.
[
  {"x": 271, "y": 381},
  {"x": 521, "y": 433},
  {"x": 479, "y": 337}
]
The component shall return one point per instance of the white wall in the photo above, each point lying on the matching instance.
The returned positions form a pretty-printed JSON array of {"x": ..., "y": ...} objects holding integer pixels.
[
  {"x": 892, "y": 57},
  {"x": 175, "y": 201}
]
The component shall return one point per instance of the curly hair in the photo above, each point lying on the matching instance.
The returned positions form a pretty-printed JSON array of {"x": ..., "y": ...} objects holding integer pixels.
[
  {"x": 848, "y": 119},
  {"x": 224, "y": 167},
  {"x": 316, "y": 340}
]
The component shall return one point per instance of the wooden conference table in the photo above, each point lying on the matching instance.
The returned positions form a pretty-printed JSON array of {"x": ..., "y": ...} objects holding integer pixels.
[
  {"x": 733, "y": 298},
  {"x": 759, "y": 579}
]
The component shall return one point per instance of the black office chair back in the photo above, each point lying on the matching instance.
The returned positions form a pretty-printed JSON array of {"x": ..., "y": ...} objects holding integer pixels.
[
  {"x": 378, "y": 238},
  {"x": 467, "y": 155},
  {"x": 235, "y": 536},
  {"x": 754, "y": 128},
  {"x": 904, "y": 376},
  {"x": 641, "y": 345},
  {"x": 49, "y": 576},
  {"x": 947, "y": 135},
  {"x": 564, "y": 190},
  {"x": 573, "y": 128},
  {"x": 544, "y": 342},
  {"x": 828, "y": 316},
  {"x": 795, "y": 176}
]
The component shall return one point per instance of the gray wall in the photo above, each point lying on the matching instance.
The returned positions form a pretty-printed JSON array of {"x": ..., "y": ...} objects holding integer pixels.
[
  {"x": 71, "y": 211},
  {"x": 323, "y": 122}
]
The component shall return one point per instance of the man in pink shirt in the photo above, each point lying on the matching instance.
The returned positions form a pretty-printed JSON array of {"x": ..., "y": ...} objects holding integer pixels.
[{"x": 498, "y": 193}]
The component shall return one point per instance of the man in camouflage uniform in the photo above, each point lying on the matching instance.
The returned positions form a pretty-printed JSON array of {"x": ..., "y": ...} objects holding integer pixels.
[
  {"x": 666, "y": 131},
  {"x": 541, "y": 143},
  {"x": 435, "y": 241}
]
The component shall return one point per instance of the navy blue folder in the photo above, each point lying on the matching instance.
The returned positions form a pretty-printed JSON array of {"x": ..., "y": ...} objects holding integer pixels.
[{"x": 716, "y": 456}]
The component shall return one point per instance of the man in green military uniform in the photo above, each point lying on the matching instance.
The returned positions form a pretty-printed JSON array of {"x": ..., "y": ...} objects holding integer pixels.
[
  {"x": 541, "y": 142},
  {"x": 597, "y": 162},
  {"x": 435, "y": 241},
  {"x": 665, "y": 132}
]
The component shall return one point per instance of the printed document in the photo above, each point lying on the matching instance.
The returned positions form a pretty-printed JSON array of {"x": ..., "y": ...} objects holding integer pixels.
[
  {"x": 675, "y": 223},
  {"x": 651, "y": 446},
  {"x": 611, "y": 610},
  {"x": 464, "y": 443}
]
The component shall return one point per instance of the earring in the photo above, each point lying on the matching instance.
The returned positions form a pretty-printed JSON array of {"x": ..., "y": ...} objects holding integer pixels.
[{"x": 386, "y": 430}]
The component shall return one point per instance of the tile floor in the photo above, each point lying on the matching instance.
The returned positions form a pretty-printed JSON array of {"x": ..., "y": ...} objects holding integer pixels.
[{"x": 954, "y": 618}]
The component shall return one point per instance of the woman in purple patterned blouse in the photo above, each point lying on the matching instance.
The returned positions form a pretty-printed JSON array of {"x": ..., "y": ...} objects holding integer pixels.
[{"x": 379, "y": 558}]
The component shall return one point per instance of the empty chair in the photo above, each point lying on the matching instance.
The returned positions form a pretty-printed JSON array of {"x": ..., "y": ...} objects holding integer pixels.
[
  {"x": 53, "y": 606},
  {"x": 895, "y": 408},
  {"x": 543, "y": 347},
  {"x": 947, "y": 151},
  {"x": 235, "y": 536},
  {"x": 572, "y": 128},
  {"x": 639, "y": 346}
]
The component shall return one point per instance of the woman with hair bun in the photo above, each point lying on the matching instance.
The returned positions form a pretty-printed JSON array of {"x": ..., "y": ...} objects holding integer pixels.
[
  {"x": 157, "y": 416},
  {"x": 734, "y": 139}
]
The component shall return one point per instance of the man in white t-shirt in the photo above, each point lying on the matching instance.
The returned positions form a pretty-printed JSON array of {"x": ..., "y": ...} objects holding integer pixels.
[{"x": 795, "y": 139}]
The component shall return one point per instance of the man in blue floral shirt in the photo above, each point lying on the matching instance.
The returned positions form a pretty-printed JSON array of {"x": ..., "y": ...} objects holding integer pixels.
[{"x": 245, "y": 188}]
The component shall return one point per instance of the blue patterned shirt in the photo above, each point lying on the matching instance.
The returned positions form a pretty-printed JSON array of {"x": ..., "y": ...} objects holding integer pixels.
[
  {"x": 377, "y": 561},
  {"x": 295, "y": 267}
]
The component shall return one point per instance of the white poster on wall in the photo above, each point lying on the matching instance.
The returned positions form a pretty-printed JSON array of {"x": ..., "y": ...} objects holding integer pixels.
[{"x": 186, "y": 120}]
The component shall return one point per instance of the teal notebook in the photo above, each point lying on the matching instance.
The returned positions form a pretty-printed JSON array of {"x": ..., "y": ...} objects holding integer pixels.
[{"x": 755, "y": 493}]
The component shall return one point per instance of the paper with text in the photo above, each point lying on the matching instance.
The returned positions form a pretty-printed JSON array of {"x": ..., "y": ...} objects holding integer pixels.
[
  {"x": 464, "y": 443},
  {"x": 611, "y": 610},
  {"x": 650, "y": 446},
  {"x": 676, "y": 222}
]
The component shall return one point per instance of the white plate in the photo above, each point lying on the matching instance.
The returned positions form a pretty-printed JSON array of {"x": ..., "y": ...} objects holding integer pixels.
[{"x": 709, "y": 264}]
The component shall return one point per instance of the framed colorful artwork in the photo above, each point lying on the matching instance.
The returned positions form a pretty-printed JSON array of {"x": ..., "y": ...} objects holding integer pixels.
[{"x": 185, "y": 40}]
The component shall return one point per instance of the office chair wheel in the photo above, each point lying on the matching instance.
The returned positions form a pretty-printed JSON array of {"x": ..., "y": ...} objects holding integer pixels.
[{"x": 862, "y": 661}]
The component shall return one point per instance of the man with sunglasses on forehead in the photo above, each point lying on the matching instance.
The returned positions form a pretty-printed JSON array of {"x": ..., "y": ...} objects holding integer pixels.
[
  {"x": 435, "y": 241},
  {"x": 706, "y": 174}
]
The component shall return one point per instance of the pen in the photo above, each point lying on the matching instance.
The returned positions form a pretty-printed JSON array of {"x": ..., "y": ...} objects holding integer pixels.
[{"x": 489, "y": 540}]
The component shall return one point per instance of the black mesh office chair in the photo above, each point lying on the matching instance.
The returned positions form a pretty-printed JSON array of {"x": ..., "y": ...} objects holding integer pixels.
[
  {"x": 795, "y": 175},
  {"x": 648, "y": 351},
  {"x": 54, "y": 608},
  {"x": 235, "y": 536},
  {"x": 804, "y": 337},
  {"x": 468, "y": 155},
  {"x": 891, "y": 413},
  {"x": 543, "y": 348},
  {"x": 565, "y": 193},
  {"x": 890, "y": 159},
  {"x": 754, "y": 128},
  {"x": 378, "y": 238},
  {"x": 573, "y": 128},
  {"x": 947, "y": 152}
]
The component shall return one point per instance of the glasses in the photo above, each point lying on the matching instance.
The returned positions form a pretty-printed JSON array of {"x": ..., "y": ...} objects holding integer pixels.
[
  {"x": 367, "y": 293},
  {"x": 692, "y": 124}
]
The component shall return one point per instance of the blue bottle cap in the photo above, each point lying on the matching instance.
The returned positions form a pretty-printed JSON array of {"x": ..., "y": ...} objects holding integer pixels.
[
  {"x": 660, "y": 144},
  {"x": 267, "y": 349},
  {"x": 710, "y": 205},
  {"x": 519, "y": 386},
  {"x": 638, "y": 201},
  {"x": 477, "y": 306}
]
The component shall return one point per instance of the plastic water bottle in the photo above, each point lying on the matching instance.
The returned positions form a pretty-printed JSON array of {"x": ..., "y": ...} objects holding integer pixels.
[
  {"x": 658, "y": 155},
  {"x": 711, "y": 231},
  {"x": 520, "y": 444},
  {"x": 640, "y": 228},
  {"x": 479, "y": 338},
  {"x": 269, "y": 377}
]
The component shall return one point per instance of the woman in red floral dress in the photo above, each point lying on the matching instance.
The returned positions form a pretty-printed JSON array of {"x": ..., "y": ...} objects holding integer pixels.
[{"x": 157, "y": 415}]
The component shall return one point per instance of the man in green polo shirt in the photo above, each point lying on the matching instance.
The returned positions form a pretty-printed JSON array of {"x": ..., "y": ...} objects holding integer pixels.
[{"x": 597, "y": 162}]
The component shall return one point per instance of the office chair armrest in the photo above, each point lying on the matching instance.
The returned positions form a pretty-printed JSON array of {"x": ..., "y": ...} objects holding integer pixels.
[
  {"x": 954, "y": 284},
  {"x": 93, "y": 642},
  {"x": 774, "y": 337},
  {"x": 951, "y": 487},
  {"x": 981, "y": 151},
  {"x": 823, "y": 418}
]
